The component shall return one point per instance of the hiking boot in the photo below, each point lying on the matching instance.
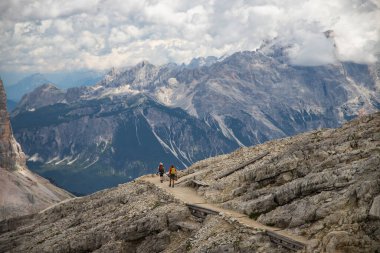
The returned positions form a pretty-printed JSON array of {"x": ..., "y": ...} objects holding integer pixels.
[{"x": 173, "y": 186}]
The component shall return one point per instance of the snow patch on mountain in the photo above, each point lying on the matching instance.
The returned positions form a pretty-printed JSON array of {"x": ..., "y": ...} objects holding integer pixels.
[
  {"x": 35, "y": 158},
  {"x": 225, "y": 130},
  {"x": 70, "y": 162},
  {"x": 91, "y": 163},
  {"x": 169, "y": 147},
  {"x": 118, "y": 91}
]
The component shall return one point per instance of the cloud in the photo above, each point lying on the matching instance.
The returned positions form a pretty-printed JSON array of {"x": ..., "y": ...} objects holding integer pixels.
[{"x": 57, "y": 35}]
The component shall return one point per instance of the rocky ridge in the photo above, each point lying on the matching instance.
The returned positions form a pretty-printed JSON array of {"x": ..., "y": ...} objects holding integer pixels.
[
  {"x": 21, "y": 191},
  {"x": 135, "y": 217},
  {"x": 324, "y": 185}
]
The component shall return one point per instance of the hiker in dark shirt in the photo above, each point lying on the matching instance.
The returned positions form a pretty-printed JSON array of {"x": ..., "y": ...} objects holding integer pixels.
[{"x": 161, "y": 171}]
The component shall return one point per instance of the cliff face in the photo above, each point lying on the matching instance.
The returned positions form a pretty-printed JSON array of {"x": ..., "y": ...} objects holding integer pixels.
[
  {"x": 21, "y": 191},
  {"x": 323, "y": 185},
  {"x": 11, "y": 156}
]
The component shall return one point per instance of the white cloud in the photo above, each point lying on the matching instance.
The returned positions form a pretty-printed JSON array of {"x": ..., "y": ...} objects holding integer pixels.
[{"x": 54, "y": 35}]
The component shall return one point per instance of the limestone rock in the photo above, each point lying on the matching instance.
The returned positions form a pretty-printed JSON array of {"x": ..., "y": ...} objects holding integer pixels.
[
  {"x": 324, "y": 185},
  {"x": 134, "y": 217},
  {"x": 375, "y": 208},
  {"x": 11, "y": 156}
]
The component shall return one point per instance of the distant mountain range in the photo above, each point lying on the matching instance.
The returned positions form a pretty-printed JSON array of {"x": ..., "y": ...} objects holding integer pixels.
[
  {"x": 89, "y": 138},
  {"x": 26, "y": 85},
  {"x": 62, "y": 80}
]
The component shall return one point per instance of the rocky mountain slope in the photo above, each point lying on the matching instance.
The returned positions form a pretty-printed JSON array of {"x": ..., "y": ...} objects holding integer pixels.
[
  {"x": 241, "y": 100},
  {"x": 323, "y": 185},
  {"x": 136, "y": 217},
  {"x": 89, "y": 145},
  {"x": 21, "y": 191}
]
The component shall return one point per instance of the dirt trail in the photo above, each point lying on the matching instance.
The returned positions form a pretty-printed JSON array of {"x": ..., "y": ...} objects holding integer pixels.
[{"x": 189, "y": 196}]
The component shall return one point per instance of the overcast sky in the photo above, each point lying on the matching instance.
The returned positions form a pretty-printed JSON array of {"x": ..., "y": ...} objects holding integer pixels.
[{"x": 60, "y": 35}]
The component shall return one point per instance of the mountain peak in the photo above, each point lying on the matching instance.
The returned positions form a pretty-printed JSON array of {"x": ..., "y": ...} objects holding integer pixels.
[
  {"x": 202, "y": 61},
  {"x": 48, "y": 87},
  {"x": 143, "y": 63},
  {"x": 25, "y": 85},
  {"x": 37, "y": 75}
]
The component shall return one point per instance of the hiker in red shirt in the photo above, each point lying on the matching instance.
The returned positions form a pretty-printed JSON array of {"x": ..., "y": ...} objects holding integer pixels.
[{"x": 161, "y": 171}]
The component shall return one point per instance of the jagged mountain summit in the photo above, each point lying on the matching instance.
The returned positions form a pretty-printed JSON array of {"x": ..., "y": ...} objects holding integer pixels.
[
  {"x": 21, "y": 191},
  {"x": 323, "y": 185},
  {"x": 243, "y": 99}
]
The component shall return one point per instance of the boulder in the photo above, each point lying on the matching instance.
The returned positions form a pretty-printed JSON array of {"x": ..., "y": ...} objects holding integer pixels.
[{"x": 375, "y": 208}]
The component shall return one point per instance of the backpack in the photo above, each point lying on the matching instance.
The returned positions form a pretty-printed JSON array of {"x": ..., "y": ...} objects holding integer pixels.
[
  {"x": 161, "y": 169},
  {"x": 173, "y": 171}
]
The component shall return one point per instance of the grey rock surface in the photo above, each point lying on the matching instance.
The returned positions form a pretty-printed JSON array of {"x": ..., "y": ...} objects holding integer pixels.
[
  {"x": 11, "y": 156},
  {"x": 375, "y": 208},
  {"x": 324, "y": 185},
  {"x": 134, "y": 217}
]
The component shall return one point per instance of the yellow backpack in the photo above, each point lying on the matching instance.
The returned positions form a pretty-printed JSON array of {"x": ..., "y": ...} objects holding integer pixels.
[{"x": 173, "y": 171}]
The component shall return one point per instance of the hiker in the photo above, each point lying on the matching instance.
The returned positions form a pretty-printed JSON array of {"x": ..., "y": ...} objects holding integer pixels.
[
  {"x": 161, "y": 171},
  {"x": 172, "y": 175}
]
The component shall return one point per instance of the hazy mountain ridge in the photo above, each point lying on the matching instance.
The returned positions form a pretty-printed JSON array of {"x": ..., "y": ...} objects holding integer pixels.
[
  {"x": 323, "y": 185},
  {"x": 63, "y": 80},
  {"x": 25, "y": 85}
]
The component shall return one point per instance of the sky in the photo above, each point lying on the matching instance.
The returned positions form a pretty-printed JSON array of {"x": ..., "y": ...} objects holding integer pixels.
[{"x": 65, "y": 35}]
